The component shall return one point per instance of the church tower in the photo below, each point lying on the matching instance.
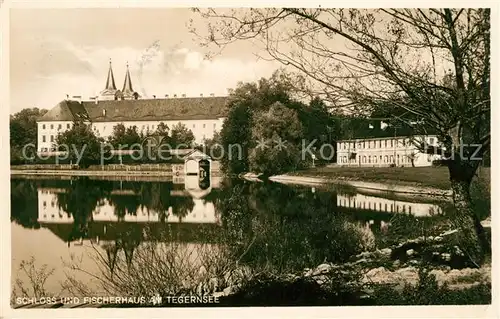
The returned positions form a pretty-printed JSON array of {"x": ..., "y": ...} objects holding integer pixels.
[
  {"x": 127, "y": 91},
  {"x": 110, "y": 92}
]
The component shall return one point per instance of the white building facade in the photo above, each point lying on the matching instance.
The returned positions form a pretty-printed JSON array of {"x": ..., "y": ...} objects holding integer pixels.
[
  {"x": 398, "y": 151},
  {"x": 202, "y": 115}
]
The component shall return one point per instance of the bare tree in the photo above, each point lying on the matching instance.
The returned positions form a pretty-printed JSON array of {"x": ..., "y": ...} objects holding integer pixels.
[{"x": 433, "y": 63}]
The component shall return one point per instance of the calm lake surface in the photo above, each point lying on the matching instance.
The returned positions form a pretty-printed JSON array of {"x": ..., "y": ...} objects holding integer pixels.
[{"x": 87, "y": 234}]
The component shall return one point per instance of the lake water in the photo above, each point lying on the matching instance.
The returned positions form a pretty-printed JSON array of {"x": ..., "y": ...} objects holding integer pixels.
[{"x": 90, "y": 236}]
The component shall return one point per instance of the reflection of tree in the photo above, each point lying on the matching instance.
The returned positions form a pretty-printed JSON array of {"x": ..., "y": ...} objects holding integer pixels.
[
  {"x": 304, "y": 225},
  {"x": 182, "y": 206},
  {"x": 128, "y": 237},
  {"x": 285, "y": 228},
  {"x": 24, "y": 203},
  {"x": 155, "y": 197},
  {"x": 212, "y": 197},
  {"x": 124, "y": 204},
  {"x": 235, "y": 212},
  {"x": 160, "y": 199},
  {"x": 111, "y": 250},
  {"x": 80, "y": 200}
]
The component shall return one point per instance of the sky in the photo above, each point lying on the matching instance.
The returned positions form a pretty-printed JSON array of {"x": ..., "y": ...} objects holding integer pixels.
[{"x": 54, "y": 52}]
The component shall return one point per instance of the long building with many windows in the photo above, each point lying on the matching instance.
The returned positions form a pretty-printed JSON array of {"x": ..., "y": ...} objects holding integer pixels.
[
  {"x": 202, "y": 115},
  {"x": 380, "y": 151}
]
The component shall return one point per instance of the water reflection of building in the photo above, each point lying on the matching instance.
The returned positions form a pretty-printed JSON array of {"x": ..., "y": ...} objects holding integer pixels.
[
  {"x": 180, "y": 216},
  {"x": 49, "y": 211},
  {"x": 215, "y": 181},
  {"x": 385, "y": 205}
]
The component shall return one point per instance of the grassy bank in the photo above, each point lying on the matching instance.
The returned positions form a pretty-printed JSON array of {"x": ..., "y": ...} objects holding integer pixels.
[{"x": 435, "y": 177}]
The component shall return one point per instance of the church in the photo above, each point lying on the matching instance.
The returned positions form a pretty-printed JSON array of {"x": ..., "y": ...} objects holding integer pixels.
[{"x": 202, "y": 115}]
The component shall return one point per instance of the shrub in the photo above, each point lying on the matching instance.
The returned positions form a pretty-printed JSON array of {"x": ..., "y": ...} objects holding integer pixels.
[{"x": 428, "y": 292}]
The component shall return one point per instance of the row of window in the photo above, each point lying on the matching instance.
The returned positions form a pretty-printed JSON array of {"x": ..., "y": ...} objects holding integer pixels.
[
  {"x": 381, "y": 143},
  {"x": 393, "y": 208},
  {"x": 144, "y": 127},
  {"x": 52, "y": 140},
  {"x": 59, "y": 126},
  {"x": 374, "y": 159},
  {"x": 44, "y": 138},
  {"x": 147, "y": 127},
  {"x": 370, "y": 159},
  {"x": 387, "y": 208},
  {"x": 379, "y": 159},
  {"x": 68, "y": 126},
  {"x": 52, "y": 204}
]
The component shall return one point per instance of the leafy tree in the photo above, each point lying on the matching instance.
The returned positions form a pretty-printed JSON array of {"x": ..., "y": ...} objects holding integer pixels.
[
  {"x": 278, "y": 134},
  {"x": 125, "y": 136},
  {"x": 317, "y": 122},
  {"x": 181, "y": 136},
  {"x": 213, "y": 146},
  {"x": 251, "y": 99},
  {"x": 261, "y": 94},
  {"x": 395, "y": 56},
  {"x": 162, "y": 131},
  {"x": 80, "y": 140},
  {"x": 236, "y": 131},
  {"x": 23, "y": 131}
]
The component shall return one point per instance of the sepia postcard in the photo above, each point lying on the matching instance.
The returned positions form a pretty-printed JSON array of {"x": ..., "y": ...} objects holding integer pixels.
[{"x": 300, "y": 159}]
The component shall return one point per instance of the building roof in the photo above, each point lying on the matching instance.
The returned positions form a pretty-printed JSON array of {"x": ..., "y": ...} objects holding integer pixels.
[
  {"x": 60, "y": 112},
  {"x": 196, "y": 154},
  {"x": 124, "y": 106},
  {"x": 78, "y": 111},
  {"x": 357, "y": 128},
  {"x": 191, "y": 108}
]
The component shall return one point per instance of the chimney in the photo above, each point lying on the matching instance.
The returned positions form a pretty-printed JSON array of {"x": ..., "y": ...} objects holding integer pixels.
[
  {"x": 166, "y": 95},
  {"x": 201, "y": 94},
  {"x": 96, "y": 100},
  {"x": 175, "y": 95},
  {"x": 183, "y": 95},
  {"x": 67, "y": 96},
  {"x": 103, "y": 112},
  {"x": 211, "y": 94},
  {"x": 154, "y": 96}
]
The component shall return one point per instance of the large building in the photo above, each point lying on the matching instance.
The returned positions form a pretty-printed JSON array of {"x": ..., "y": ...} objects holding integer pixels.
[
  {"x": 385, "y": 147},
  {"x": 202, "y": 115}
]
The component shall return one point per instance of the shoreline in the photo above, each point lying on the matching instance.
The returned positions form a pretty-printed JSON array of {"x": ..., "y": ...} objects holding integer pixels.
[
  {"x": 364, "y": 186},
  {"x": 89, "y": 173},
  {"x": 98, "y": 173},
  {"x": 367, "y": 187}
]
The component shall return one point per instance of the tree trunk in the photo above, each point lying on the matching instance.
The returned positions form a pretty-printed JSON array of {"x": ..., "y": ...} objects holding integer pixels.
[{"x": 472, "y": 238}]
